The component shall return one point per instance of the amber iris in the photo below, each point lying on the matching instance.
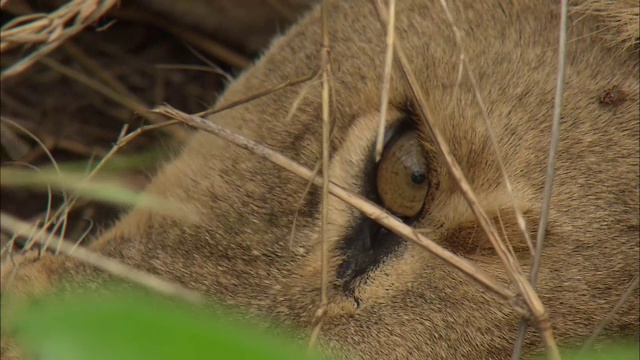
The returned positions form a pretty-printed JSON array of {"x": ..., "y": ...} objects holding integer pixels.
[{"x": 402, "y": 180}]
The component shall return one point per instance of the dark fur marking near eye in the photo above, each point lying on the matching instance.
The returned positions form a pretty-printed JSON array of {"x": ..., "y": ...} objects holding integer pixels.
[
  {"x": 366, "y": 247},
  {"x": 368, "y": 243}
]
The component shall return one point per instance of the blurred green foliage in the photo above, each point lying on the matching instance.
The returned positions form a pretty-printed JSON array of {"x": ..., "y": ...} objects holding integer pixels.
[
  {"x": 128, "y": 325},
  {"x": 132, "y": 325}
]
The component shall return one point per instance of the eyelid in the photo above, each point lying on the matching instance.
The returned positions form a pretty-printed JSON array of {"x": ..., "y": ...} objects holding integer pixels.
[{"x": 393, "y": 131}]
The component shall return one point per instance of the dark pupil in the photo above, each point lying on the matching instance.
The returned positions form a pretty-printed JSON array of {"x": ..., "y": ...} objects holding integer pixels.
[{"x": 418, "y": 177}]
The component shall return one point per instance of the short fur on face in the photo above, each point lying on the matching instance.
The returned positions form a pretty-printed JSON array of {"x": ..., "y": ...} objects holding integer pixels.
[{"x": 407, "y": 303}]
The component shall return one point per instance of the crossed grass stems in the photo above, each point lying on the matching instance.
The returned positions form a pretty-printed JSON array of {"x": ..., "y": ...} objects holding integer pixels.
[{"x": 525, "y": 301}]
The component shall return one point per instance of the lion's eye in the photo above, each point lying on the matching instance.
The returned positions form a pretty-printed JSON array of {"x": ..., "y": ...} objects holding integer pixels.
[{"x": 402, "y": 175}]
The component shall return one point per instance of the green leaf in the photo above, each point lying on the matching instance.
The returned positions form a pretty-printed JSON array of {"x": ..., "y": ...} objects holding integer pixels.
[
  {"x": 135, "y": 326},
  {"x": 619, "y": 350},
  {"x": 101, "y": 190}
]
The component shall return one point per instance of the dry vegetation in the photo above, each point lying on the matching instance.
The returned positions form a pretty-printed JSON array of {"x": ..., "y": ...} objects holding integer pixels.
[
  {"x": 66, "y": 101},
  {"x": 82, "y": 91}
]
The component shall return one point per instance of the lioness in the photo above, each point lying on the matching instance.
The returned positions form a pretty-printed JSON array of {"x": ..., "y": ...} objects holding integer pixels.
[{"x": 389, "y": 298}]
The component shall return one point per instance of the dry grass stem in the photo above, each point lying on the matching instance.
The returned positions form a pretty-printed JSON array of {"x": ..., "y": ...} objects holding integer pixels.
[
  {"x": 368, "y": 208},
  {"x": 202, "y": 42},
  {"x": 255, "y": 96},
  {"x": 290, "y": 114},
  {"x": 83, "y": 235},
  {"x": 283, "y": 8},
  {"x": 125, "y": 138},
  {"x": 48, "y": 220},
  {"x": 316, "y": 169},
  {"x": 633, "y": 285},
  {"x": 10, "y": 102},
  {"x": 98, "y": 70},
  {"x": 104, "y": 263},
  {"x": 211, "y": 64},
  {"x": 548, "y": 185},
  {"x": 7, "y": 247},
  {"x": 67, "y": 144},
  {"x": 129, "y": 102},
  {"x": 15, "y": 124},
  {"x": 49, "y": 30},
  {"x": 512, "y": 267},
  {"x": 386, "y": 80},
  {"x": 298, "y": 100},
  {"x": 48, "y": 141},
  {"x": 57, "y": 222},
  {"x": 464, "y": 64},
  {"x": 15, "y": 147},
  {"x": 504, "y": 233},
  {"x": 202, "y": 68},
  {"x": 326, "y": 146},
  {"x": 40, "y": 219}
]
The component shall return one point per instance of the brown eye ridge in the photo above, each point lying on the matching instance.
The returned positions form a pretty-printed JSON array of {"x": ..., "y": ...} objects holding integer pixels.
[{"x": 401, "y": 179}]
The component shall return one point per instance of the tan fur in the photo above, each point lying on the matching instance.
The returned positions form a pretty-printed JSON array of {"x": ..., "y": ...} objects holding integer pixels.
[{"x": 412, "y": 305}]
